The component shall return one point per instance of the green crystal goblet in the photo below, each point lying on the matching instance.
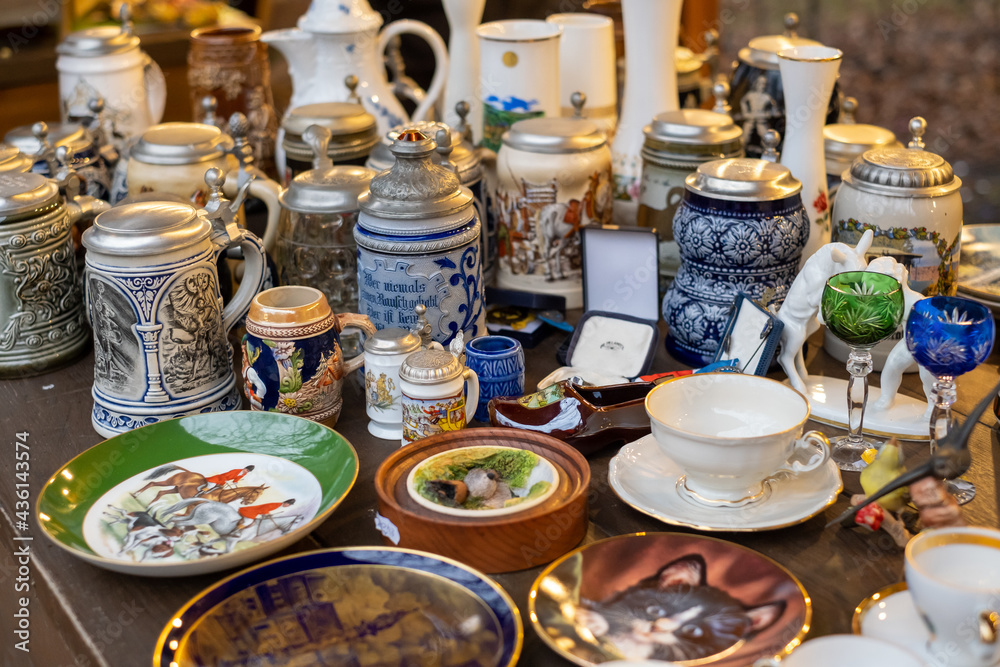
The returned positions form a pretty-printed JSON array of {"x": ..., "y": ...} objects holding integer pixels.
[{"x": 861, "y": 309}]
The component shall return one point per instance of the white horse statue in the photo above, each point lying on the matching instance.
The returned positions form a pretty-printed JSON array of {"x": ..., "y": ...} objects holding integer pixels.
[
  {"x": 801, "y": 306},
  {"x": 899, "y": 358}
]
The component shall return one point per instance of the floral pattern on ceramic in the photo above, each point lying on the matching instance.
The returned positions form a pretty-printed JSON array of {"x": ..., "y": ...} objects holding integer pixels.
[
  {"x": 728, "y": 247},
  {"x": 499, "y": 363}
]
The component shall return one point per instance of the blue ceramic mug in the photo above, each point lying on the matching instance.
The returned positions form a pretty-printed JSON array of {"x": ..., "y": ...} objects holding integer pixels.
[{"x": 499, "y": 363}]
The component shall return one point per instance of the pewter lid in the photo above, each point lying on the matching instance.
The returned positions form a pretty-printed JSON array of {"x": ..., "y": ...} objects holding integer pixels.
[
  {"x": 26, "y": 193},
  {"x": 464, "y": 155},
  {"x": 70, "y": 135},
  {"x": 554, "y": 135},
  {"x": 330, "y": 190},
  {"x": 414, "y": 189},
  {"x": 692, "y": 135},
  {"x": 146, "y": 228},
  {"x": 392, "y": 341},
  {"x": 101, "y": 40},
  {"x": 843, "y": 142},
  {"x": 904, "y": 172},
  {"x": 743, "y": 179},
  {"x": 12, "y": 159},
  {"x": 762, "y": 52},
  {"x": 339, "y": 117},
  {"x": 430, "y": 367},
  {"x": 181, "y": 143}
]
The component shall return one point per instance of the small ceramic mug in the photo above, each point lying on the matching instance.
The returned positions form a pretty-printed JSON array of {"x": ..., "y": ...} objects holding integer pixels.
[
  {"x": 434, "y": 394},
  {"x": 292, "y": 360},
  {"x": 953, "y": 575},
  {"x": 499, "y": 363},
  {"x": 731, "y": 432}
]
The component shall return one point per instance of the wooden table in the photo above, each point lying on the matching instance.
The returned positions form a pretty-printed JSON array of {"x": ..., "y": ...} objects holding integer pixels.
[{"x": 82, "y": 615}]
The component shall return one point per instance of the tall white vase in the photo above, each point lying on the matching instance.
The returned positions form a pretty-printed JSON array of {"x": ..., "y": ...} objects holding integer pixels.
[
  {"x": 464, "y": 17},
  {"x": 587, "y": 63},
  {"x": 807, "y": 77},
  {"x": 651, "y": 28}
]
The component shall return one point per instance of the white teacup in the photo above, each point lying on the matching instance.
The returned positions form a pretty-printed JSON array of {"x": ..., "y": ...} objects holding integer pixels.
[
  {"x": 953, "y": 575},
  {"x": 730, "y": 432}
]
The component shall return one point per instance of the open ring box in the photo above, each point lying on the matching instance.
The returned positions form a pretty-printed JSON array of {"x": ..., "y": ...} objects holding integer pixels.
[{"x": 615, "y": 338}]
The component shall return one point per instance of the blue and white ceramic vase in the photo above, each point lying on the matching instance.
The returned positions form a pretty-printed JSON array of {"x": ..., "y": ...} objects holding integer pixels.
[
  {"x": 418, "y": 238},
  {"x": 499, "y": 363},
  {"x": 160, "y": 330},
  {"x": 741, "y": 228},
  {"x": 292, "y": 358}
]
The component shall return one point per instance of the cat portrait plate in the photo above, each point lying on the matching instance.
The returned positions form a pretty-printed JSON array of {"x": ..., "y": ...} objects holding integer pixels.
[
  {"x": 647, "y": 479},
  {"x": 689, "y": 599},
  {"x": 353, "y": 606},
  {"x": 197, "y": 494}
]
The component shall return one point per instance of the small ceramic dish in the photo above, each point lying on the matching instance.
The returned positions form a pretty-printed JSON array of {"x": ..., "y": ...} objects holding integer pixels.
[
  {"x": 353, "y": 606},
  {"x": 891, "y": 616},
  {"x": 197, "y": 494},
  {"x": 529, "y": 478}
]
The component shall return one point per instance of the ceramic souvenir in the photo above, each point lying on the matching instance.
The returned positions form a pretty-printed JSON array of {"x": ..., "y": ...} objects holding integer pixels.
[
  {"x": 106, "y": 61},
  {"x": 292, "y": 358},
  {"x": 648, "y": 480},
  {"x": 160, "y": 347},
  {"x": 910, "y": 199},
  {"x": 335, "y": 40},
  {"x": 418, "y": 243},
  {"x": 41, "y": 309},
  {"x": 39, "y": 142},
  {"x": 553, "y": 177},
  {"x": 651, "y": 29},
  {"x": 756, "y": 93},
  {"x": 728, "y": 447},
  {"x": 353, "y": 134},
  {"x": 587, "y": 63},
  {"x": 337, "y": 606},
  {"x": 230, "y": 64},
  {"x": 434, "y": 397},
  {"x": 519, "y": 74},
  {"x": 603, "y": 601},
  {"x": 385, "y": 351},
  {"x": 847, "y": 140},
  {"x": 172, "y": 158},
  {"x": 808, "y": 73},
  {"x": 676, "y": 143},
  {"x": 198, "y": 494},
  {"x": 499, "y": 363},
  {"x": 741, "y": 228},
  {"x": 315, "y": 242},
  {"x": 464, "y": 17}
]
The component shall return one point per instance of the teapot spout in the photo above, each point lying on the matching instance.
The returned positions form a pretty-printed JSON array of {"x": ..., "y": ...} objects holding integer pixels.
[{"x": 299, "y": 49}]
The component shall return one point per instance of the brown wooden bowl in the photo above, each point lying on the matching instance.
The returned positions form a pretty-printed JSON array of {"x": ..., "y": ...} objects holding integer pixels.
[{"x": 516, "y": 541}]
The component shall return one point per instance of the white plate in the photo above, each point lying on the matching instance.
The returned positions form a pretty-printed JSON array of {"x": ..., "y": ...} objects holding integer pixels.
[
  {"x": 841, "y": 650},
  {"x": 646, "y": 478},
  {"x": 894, "y": 618}
]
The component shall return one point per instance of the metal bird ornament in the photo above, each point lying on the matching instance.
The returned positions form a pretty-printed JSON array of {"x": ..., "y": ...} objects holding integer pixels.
[{"x": 951, "y": 458}]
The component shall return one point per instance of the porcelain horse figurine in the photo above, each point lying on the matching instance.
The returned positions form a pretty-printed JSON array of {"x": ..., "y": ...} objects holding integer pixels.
[
  {"x": 801, "y": 306},
  {"x": 899, "y": 358}
]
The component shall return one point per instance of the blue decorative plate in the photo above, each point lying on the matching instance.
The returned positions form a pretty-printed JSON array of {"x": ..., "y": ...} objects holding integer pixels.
[{"x": 354, "y": 606}]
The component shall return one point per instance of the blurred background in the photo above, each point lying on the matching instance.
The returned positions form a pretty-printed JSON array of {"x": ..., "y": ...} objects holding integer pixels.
[{"x": 936, "y": 58}]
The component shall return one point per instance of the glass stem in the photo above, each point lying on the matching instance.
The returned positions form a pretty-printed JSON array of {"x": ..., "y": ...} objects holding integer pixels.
[
  {"x": 944, "y": 396},
  {"x": 859, "y": 365}
]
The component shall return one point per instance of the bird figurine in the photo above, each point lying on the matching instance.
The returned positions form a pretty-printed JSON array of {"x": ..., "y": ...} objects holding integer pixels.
[{"x": 887, "y": 466}]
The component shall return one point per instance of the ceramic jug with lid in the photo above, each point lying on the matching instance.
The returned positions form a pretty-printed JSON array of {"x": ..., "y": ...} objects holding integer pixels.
[
  {"x": 337, "y": 38},
  {"x": 107, "y": 61},
  {"x": 160, "y": 346},
  {"x": 41, "y": 309}
]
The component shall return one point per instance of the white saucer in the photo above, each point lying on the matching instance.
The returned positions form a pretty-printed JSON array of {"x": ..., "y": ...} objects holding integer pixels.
[
  {"x": 646, "y": 478},
  {"x": 841, "y": 650},
  {"x": 892, "y": 617}
]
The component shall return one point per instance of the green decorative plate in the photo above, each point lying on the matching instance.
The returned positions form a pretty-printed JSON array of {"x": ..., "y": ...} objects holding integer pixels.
[{"x": 198, "y": 494}]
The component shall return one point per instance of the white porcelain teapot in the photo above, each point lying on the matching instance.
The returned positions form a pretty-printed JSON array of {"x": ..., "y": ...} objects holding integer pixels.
[{"x": 337, "y": 38}]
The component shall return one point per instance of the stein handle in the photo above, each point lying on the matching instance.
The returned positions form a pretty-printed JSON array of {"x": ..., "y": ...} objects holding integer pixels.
[
  {"x": 267, "y": 191},
  {"x": 433, "y": 39},
  {"x": 156, "y": 88},
  {"x": 254, "y": 272},
  {"x": 362, "y": 322},
  {"x": 85, "y": 207},
  {"x": 472, "y": 396},
  {"x": 815, "y": 442}
]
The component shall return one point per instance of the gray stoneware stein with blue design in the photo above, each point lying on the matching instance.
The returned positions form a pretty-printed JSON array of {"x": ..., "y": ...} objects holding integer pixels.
[
  {"x": 499, "y": 363},
  {"x": 418, "y": 238},
  {"x": 160, "y": 330},
  {"x": 741, "y": 227}
]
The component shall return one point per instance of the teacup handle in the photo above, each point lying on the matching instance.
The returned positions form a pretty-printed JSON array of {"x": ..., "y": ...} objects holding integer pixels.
[
  {"x": 989, "y": 633},
  {"x": 817, "y": 443},
  {"x": 472, "y": 395},
  {"x": 362, "y": 322}
]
